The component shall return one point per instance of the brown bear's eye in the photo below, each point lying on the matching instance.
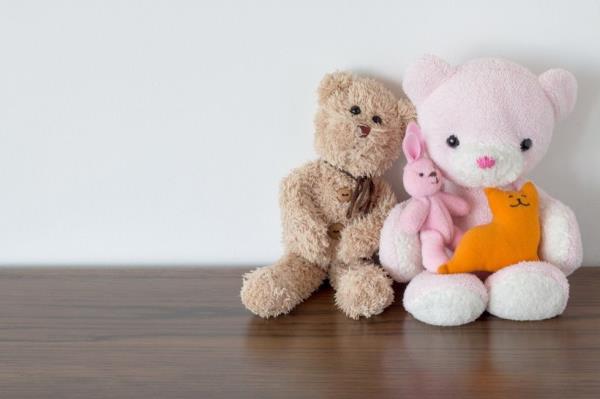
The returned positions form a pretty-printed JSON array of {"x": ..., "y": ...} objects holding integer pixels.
[
  {"x": 355, "y": 110},
  {"x": 377, "y": 119}
]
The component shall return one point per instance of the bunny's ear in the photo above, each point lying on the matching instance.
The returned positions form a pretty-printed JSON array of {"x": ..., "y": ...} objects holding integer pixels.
[
  {"x": 424, "y": 76},
  {"x": 412, "y": 145},
  {"x": 561, "y": 88}
]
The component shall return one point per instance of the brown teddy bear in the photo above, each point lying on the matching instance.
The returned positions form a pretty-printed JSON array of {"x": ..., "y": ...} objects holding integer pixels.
[{"x": 333, "y": 208}]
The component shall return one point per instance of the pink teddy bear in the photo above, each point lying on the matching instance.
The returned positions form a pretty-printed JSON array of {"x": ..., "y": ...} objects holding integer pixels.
[
  {"x": 487, "y": 123},
  {"x": 430, "y": 210}
]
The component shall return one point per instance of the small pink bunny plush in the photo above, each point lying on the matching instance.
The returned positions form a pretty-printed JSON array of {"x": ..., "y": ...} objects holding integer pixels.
[{"x": 429, "y": 212}]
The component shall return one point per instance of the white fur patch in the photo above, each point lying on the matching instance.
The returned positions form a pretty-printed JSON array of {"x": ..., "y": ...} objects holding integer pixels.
[
  {"x": 453, "y": 306},
  {"x": 408, "y": 257},
  {"x": 561, "y": 242},
  {"x": 525, "y": 295},
  {"x": 463, "y": 169},
  {"x": 400, "y": 253}
]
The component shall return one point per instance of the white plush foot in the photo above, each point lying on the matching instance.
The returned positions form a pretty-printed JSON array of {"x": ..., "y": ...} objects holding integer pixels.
[
  {"x": 445, "y": 300},
  {"x": 528, "y": 291}
]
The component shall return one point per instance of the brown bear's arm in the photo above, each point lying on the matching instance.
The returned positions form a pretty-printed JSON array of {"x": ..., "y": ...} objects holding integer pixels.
[
  {"x": 304, "y": 228},
  {"x": 360, "y": 239}
]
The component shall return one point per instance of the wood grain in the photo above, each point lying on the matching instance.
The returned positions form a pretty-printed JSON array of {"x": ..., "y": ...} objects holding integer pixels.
[{"x": 150, "y": 333}]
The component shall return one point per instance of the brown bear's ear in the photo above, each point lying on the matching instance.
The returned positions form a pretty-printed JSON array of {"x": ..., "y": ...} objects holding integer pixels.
[
  {"x": 406, "y": 111},
  {"x": 407, "y": 114},
  {"x": 332, "y": 83}
]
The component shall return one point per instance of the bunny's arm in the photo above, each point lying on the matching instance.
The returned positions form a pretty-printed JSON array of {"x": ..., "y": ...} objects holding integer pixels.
[{"x": 456, "y": 205}]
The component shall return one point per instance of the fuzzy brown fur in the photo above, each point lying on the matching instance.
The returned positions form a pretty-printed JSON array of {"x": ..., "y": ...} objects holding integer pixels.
[{"x": 320, "y": 240}]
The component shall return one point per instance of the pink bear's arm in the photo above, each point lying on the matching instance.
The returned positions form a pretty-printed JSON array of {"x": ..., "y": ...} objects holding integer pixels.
[
  {"x": 399, "y": 252},
  {"x": 413, "y": 215},
  {"x": 455, "y": 204},
  {"x": 561, "y": 238}
]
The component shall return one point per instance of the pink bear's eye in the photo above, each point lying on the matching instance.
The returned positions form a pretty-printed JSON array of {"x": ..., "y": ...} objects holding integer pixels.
[
  {"x": 421, "y": 174},
  {"x": 526, "y": 144},
  {"x": 452, "y": 141}
]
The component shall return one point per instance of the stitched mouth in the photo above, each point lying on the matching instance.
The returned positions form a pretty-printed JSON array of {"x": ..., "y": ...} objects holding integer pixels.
[{"x": 519, "y": 203}]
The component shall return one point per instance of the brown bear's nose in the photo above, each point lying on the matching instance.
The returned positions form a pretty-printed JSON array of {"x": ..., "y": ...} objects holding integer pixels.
[{"x": 364, "y": 130}]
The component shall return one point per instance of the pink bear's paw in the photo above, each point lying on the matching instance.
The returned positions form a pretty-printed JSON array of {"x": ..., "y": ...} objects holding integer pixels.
[
  {"x": 399, "y": 252},
  {"x": 445, "y": 300},
  {"x": 527, "y": 291}
]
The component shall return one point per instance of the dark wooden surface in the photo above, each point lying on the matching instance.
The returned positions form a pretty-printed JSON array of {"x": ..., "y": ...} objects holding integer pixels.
[{"x": 151, "y": 333}]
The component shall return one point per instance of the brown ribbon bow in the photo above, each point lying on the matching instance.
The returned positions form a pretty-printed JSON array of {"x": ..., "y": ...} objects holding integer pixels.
[{"x": 362, "y": 196}]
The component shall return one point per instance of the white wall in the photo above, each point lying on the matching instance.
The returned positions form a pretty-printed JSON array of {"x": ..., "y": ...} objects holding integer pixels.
[{"x": 157, "y": 132}]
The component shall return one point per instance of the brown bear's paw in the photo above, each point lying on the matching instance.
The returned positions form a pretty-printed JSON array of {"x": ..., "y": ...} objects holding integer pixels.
[
  {"x": 358, "y": 242},
  {"x": 364, "y": 291},
  {"x": 275, "y": 290}
]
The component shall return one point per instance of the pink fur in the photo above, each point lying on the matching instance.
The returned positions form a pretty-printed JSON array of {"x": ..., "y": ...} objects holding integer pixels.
[
  {"x": 492, "y": 106},
  {"x": 430, "y": 210}
]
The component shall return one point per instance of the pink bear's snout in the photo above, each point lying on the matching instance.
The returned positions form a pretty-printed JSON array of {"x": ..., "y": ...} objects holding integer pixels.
[{"x": 486, "y": 162}]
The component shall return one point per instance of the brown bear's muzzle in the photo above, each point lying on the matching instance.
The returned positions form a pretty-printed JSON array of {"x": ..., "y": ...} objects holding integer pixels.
[{"x": 363, "y": 131}]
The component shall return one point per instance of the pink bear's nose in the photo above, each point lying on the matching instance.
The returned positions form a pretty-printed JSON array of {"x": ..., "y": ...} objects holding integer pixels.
[{"x": 486, "y": 162}]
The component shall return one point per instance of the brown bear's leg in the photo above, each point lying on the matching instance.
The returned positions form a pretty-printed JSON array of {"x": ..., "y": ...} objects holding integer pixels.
[
  {"x": 361, "y": 289},
  {"x": 277, "y": 289}
]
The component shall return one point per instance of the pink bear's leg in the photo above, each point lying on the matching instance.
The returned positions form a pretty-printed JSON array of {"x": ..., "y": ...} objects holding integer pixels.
[
  {"x": 527, "y": 291},
  {"x": 445, "y": 300},
  {"x": 458, "y": 233},
  {"x": 433, "y": 250}
]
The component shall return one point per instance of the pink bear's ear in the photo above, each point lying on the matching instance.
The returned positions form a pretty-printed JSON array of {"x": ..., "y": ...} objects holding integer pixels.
[
  {"x": 561, "y": 88},
  {"x": 424, "y": 76},
  {"x": 412, "y": 145}
]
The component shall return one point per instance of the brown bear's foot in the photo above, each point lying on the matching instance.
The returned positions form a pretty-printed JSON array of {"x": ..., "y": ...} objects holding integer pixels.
[
  {"x": 362, "y": 290},
  {"x": 277, "y": 289}
]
